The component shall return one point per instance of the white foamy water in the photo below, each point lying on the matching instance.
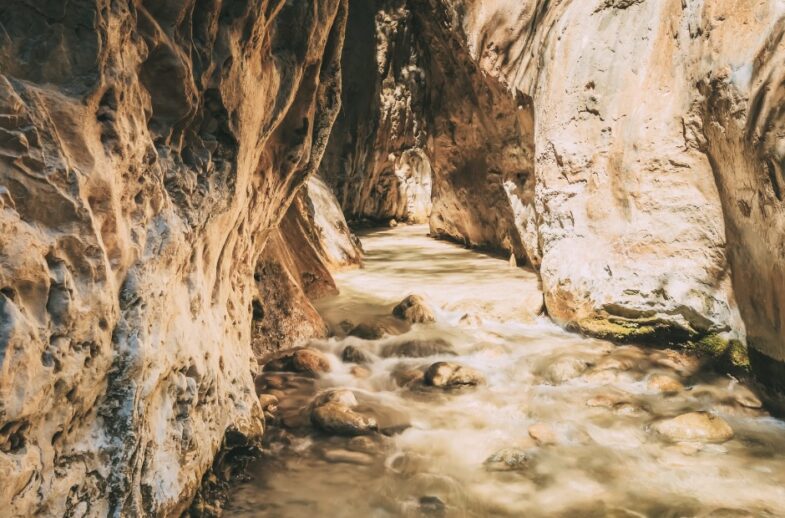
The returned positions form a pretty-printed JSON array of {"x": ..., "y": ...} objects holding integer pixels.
[{"x": 590, "y": 401}]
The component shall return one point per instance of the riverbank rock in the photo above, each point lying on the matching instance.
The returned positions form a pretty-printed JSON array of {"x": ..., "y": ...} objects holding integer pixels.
[
  {"x": 413, "y": 309},
  {"x": 311, "y": 362},
  {"x": 418, "y": 348},
  {"x": 447, "y": 375},
  {"x": 332, "y": 413},
  {"x": 695, "y": 426}
]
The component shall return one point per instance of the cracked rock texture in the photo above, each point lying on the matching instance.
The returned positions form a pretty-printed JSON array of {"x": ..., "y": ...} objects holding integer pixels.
[
  {"x": 148, "y": 151},
  {"x": 642, "y": 170}
]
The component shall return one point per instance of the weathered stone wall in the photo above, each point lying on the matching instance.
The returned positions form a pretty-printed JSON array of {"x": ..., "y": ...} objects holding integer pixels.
[
  {"x": 148, "y": 149},
  {"x": 658, "y": 141}
]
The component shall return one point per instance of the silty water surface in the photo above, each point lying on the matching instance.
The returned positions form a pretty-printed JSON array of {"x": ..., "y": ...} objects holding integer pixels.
[{"x": 575, "y": 414}]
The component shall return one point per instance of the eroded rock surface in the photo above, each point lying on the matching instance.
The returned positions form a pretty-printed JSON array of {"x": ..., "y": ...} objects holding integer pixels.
[
  {"x": 148, "y": 151},
  {"x": 649, "y": 191}
]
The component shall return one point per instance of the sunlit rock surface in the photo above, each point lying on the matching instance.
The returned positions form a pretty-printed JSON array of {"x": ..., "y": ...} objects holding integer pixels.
[
  {"x": 148, "y": 151},
  {"x": 631, "y": 150}
]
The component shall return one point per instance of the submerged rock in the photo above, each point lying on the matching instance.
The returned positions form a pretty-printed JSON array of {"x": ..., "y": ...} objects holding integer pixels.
[
  {"x": 413, "y": 309},
  {"x": 449, "y": 375},
  {"x": 405, "y": 375},
  {"x": 418, "y": 348},
  {"x": 338, "y": 419},
  {"x": 664, "y": 384},
  {"x": 352, "y": 354},
  {"x": 347, "y": 456},
  {"x": 311, "y": 362},
  {"x": 509, "y": 459},
  {"x": 564, "y": 369},
  {"x": 432, "y": 506},
  {"x": 542, "y": 433},
  {"x": 377, "y": 330},
  {"x": 695, "y": 426}
]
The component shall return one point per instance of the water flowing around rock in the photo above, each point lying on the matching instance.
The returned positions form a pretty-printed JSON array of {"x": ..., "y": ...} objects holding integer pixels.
[{"x": 516, "y": 418}]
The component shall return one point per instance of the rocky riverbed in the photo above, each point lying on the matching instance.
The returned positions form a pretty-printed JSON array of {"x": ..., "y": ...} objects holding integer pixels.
[{"x": 465, "y": 401}]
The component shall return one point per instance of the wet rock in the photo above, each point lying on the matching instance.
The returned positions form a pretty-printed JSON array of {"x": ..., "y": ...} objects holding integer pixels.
[
  {"x": 338, "y": 419},
  {"x": 682, "y": 363},
  {"x": 377, "y": 330},
  {"x": 564, "y": 369},
  {"x": 418, "y": 348},
  {"x": 347, "y": 457},
  {"x": 363, "y": 444},
  {"x": 449, "y": 375},
  {"x": 413, "y": 309},
  {"x": 509, "y": 459},
  {"x": 695, "y": 426},
  {"x": 392, "y": 223},
  {"x": 470, "y": 320},
  {"x": 664, "y": 384},
  {"x": 745, "y": 397},
  {"x": 268, "y": 402},
  {"x": 341, "y": 396},
  {"x": 352, "y": 354},
  {"x": 404, "y": 375},
  {"x": 608, "y": 399},
  {"x": 432, "y": 506},
  {"x": 358, "y": 371},
  {"x": 542, "y": 433},
  {"x": 311, "y": 362}
]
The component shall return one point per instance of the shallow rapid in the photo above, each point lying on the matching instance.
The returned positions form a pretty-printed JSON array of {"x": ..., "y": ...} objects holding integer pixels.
[{"x": 545, "y": 423}]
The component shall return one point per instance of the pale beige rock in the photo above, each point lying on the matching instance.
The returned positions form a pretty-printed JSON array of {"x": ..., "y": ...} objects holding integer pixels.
[
  {"x": 663, "y": 383},
  {"x": 149, "y": 150},
  {"x": 695, "y": 426},
  {"x": 543, "y": 434},
  {"x": 449, "y": 375}
]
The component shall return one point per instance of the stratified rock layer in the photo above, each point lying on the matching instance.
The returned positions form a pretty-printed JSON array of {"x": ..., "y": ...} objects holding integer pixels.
[{"x": 148, "y": 151}]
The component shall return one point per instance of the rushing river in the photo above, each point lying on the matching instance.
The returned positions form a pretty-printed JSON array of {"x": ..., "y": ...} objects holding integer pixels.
[{"x": 562, "y": 425}]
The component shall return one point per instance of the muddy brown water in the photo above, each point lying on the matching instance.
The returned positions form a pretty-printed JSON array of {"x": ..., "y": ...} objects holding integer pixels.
[{"x": 574, "y": 418}]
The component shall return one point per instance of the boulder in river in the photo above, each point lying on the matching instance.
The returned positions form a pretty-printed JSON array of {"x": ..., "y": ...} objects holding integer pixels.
[
  {"x": 378, "y": 329},
  {"x": 564, "y": 369},
  {"x": 448, "y": 375},
  {"x": 664, "y": 384},
  {"x": 695, "y": 426},
  {"x": 305, "y": 360},
  {"x": 418, "y": 348},
  {"x": 509, "y": 459},
  {"x": 338, "y": 419},
  {"x": 413, "y": 309},
  {"x": 353, "y": 354}
]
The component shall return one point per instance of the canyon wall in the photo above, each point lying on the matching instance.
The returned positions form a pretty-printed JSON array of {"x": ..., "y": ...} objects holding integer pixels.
[
  {"x": 631, "y": 150},
  {"x": 659, "y": 158},
  {"x": 148, "y": 151},
  {"x": 425, "y": 136}
]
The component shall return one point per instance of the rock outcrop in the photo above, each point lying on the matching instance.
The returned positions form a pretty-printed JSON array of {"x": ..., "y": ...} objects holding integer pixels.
[{"x": 148, "y": 151}]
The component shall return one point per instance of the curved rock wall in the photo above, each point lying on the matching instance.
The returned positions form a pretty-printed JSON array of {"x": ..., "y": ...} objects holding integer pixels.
[
  {"x": 643, "y": 110},
  {"x": 148, "y": 150},
  {"x": 425, "y": 136}
]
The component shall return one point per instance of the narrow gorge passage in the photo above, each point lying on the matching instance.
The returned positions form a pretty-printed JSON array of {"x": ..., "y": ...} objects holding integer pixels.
[{"x": 535, "y": 422}]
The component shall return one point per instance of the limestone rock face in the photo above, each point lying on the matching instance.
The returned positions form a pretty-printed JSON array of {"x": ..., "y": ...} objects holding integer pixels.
[
  {"x": 377, "y": 160},
  {"x": 148, "y": 150},
  {"x": 659, "y": 157},
  {"x": 424, "y": 136}
]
